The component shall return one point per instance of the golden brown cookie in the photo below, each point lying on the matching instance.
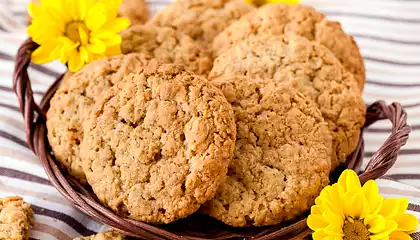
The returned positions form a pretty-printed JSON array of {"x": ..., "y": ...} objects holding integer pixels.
[
  {"x": 315, "y": 72},
  {"x": 73, "y": 102},
  {"x": 201, "y": 19},
  {"x": 109, "y": 235},
  {"x": 167, "y": 46},
  {"x": 278, "y": 19},
  {"x": 158, "y": 145},
  {"x": 282, "y": 156},
  {"x": 135, "y": 10},
  {"x": 15, "y": 218}
]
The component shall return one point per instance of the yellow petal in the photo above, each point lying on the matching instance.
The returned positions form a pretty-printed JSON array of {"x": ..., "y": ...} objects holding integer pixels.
[
  {"x": 38, "y": 33},
  {"x": 56, "y": 52},
  {"x": 84, "y": 54},
  {"x": 62, "y": 9},
  {"x": 84, "y": 6},
  {"x": 390, "y": 208},
  {"x": 67, "y": 49},
  {"x": 316, "y": 210},
  {"x": 316, "y": 222},
  {"x": 371, "y": 192},
  {"x": 335, "y": 226},
  {"x": 402, "y": 205},
  {"x": 319, "y": 235},
  {"x": 96, "y": 46},
  {"x": 103, "y": 33},
  {"x": 112, "y": 7},
  {"x": 113, "y": 50},
  {"x": 349, "y": 181},
  {"x": 34, "y": 10},
  {"x": 117, "y": 25},
  {"x": 53, "y": 14},
  {"x": 43, "y": 53},
  {"x": 84, "y": 36},
  {"x": 291, "y": 2},
  {"x": 390, "y": 226},
  {"x": 356, "y": 206},
  {"x": 375, "y": 223},
  {"x": 96, "y": 56},
  {"x": 407, "y": 222},
  {"x": 399, "y": 236},
  {"x": 72, "y": 9},
  {"x": 96, "y": 17},
  {"x": 75, "y": 61},
  {"x": 116, "y": 40},
  {"x": 330, "y": 198}
]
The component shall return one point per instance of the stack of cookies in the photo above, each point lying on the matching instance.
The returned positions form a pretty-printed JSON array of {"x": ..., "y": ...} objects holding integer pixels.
[{"x": 216, "y": 106}]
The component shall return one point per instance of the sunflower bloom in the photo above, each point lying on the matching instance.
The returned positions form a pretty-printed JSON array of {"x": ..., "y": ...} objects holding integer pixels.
[
  {"x": 346, "y": 210},
  {"x": 263, "y": 2},
  {"x": 75, "y": 31}
]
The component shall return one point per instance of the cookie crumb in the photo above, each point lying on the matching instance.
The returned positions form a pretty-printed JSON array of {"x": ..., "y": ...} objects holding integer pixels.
[{"x": 15, "y": 218}]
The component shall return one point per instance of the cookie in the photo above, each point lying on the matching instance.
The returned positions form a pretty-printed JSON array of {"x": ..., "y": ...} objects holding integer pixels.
[
  {"x": 135, "y": 10},
  {"x": 167, "y": 46},
  {"x": 282, "y": 155},
  {"x": 158, "y": 145},
  {"x": 15, "y": 218},
  {"x": 201, "y": 19},
  {"x": 74, "y": 100},
  {"x": 278, "y": 19},
  {"x": 109, "y": 235},
  {"x": 315, "y": 72}
]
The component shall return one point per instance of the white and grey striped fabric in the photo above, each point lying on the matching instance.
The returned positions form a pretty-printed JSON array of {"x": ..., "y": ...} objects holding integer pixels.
[{"x": 387, "y": 31}]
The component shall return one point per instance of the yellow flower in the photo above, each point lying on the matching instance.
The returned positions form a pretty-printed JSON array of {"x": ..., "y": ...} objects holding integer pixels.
[
  {"x": 263, "y": 2},
  {"x": 346, "y": 210},
  {"x": 75, "y": 31}
]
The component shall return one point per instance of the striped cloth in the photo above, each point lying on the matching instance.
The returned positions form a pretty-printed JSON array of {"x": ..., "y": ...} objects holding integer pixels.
[{"x": 387, "y": 31}]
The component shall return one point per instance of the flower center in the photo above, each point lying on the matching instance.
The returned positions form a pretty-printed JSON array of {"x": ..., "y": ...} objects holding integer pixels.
[
  {"x": 355, "y": 230},
  {"x": 259, "y": 3},
  {"x": 72, "y": 30}
]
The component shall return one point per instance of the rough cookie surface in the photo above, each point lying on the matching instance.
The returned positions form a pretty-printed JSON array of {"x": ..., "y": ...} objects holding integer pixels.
[
  {"x": 282, "y": 156},
  {"x": 73, "y": 102},
  {"x": 135, "y": 10},
  {"x": 295, "y": 19},
  {"x": 109, "y": 235},
  {"x": 314, "y": 71},
  {"x": 159, "y": 144},
  {"x": 15, "y": 218},
  {"x": 167, "y": 46},
  {"x": 201, "y": 19}
]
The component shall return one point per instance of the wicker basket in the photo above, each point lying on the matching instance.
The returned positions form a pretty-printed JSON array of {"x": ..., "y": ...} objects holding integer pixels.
[{"x": 196, "y": 226}]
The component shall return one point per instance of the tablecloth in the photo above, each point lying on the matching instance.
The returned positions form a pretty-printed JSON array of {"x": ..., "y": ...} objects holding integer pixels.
[{"x": 387, "y": 31}]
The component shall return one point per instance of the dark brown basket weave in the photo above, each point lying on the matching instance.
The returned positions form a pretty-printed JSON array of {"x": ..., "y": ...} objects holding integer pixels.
[{"x": 196, "y": 226}]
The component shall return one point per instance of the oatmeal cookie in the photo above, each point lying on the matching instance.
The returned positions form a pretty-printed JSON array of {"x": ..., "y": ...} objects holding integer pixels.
[
  {"x": 301, "y": 20},
  {"x": 158, "y": 145},
  {"x": 109, "y": 235},
  {"x": 74, "y": 100},
  {"x": 314, "y": 71},
  {"x": 201, "y": 19},
  {"x": 282, "y": 155},
  {"x": 135, "y": 10},
  {"x": 167, "y": 46},
  {"x": 15, "y": 218}
]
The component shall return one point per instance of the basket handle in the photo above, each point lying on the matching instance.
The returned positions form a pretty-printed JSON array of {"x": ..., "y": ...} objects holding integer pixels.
[
  {"x": 30, "y": 110},
  {"x": 387, "y": 154}
]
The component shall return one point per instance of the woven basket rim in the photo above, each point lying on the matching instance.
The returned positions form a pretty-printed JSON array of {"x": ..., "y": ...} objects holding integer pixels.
[{"x": 84, "y": 199}]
